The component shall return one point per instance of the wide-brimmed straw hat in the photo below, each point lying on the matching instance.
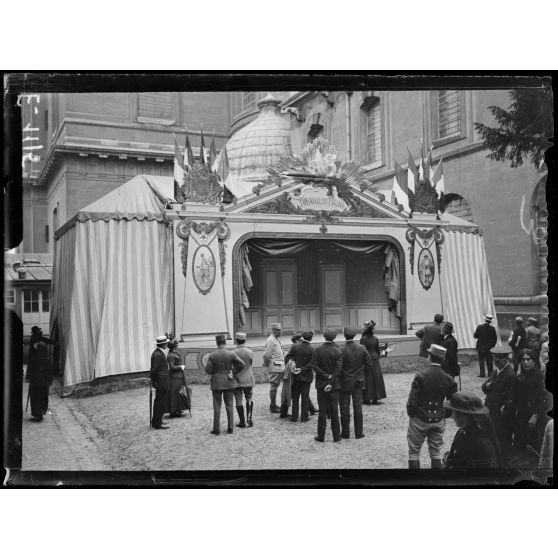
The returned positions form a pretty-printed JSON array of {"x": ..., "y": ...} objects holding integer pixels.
[
  {"x": 161, "y": 340},
  {"x": 437, "y": 350},
  {"x": 466, "y": 403}
]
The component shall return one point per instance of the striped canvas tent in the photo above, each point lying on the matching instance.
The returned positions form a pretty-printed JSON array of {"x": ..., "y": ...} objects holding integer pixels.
[
  {"x": 112, "y": 281},
  {"x": 466, "y": 288}
]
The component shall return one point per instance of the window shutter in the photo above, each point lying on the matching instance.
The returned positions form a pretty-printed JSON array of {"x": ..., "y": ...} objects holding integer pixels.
[
  {"x": 449, "y": 113},
  {"x": 374, "y": 133}
]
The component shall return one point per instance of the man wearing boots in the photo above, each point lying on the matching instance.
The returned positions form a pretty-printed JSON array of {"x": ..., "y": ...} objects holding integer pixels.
[
  {"x": 327, "y": 363},
  {"x": 425, "y": 410},
  {"x": 222, "y": 366},
  {"x": 485, "y": 334},
  {"x": 245, "y": 381},
  {"x": 356, "y": 360},
  {"x": 303, "y": 375},
  {"x": 159, "y": 375},
  {"x": 274, "y": 360}
]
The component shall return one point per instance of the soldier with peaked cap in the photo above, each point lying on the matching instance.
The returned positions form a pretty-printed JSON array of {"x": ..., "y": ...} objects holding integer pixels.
[
  {"x": 274, "y": 361},
  {"x": 425, "y": 410},
  {"x": 486, "y": 337},
  {"x": 327, "y": 363},
  {"x": 223, "y": 366},
  {"x": 429, "y": 334},
  {"x": 356, "y": 363},
  {"x": 499, "y": 389},
  {"x": 517, "y": 342},
  {"x": 159, "y": 376},
  {"x": 245, "y": 381},
  {"x": 303, "y": 374}
]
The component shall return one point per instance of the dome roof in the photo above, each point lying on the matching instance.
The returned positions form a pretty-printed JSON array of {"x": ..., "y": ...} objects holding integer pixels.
[{"x": 260, "y": 143}]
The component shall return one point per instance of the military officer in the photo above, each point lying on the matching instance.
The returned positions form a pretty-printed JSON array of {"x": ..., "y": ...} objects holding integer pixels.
[
  {"x": 274, "y": 360},
  {"x": 517, "y": 342},
  {"x": 223, "y": 366},
  {"x": 245, "y": 381}
]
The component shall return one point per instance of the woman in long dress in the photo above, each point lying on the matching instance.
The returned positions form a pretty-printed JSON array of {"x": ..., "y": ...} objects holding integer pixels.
[
  {"x": 374, "y": 387},
  {"x": 40, "y": 378},
  {"x": 175, "y": 404}
]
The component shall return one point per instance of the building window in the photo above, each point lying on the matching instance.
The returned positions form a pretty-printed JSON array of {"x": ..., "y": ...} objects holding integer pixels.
[
  {"x": 315, "y": 131},
  {"x": 30, "y": 301},
  {"x": 374, "y": 133},
  {"x": 458, "y": 206},
  {"x": 160, "y": 108},
  {"x": 45, "y": 293},
  {"x": 9, "y": 297},
  {"x": 248, "y": 100},
  {"x": 449, "y": 114}
]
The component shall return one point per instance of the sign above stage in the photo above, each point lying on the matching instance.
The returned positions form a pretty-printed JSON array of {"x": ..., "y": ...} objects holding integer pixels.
[{"x": 318, "y": 198}]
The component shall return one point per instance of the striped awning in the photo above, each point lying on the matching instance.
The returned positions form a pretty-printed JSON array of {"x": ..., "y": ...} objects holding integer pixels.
[{"x": 466, "y": 289}]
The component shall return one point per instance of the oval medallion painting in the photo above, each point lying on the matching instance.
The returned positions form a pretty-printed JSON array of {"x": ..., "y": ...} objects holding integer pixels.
[
  {"x": 426, "y": 268},
  {"x": 203, "y": 269}
]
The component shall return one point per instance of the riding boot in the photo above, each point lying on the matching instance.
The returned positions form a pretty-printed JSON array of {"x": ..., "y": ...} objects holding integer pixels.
[
  {"x": 436, "y": 463},
  {"x": 249, "y": 407},
  {"x": 240, "y": 411},
  {"x": 414, "y": 464},
  {"x": 273, "y": 405}
]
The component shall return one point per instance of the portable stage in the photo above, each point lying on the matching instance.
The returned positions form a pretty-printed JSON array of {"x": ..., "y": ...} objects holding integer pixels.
[{"x": 311, "y": 246}]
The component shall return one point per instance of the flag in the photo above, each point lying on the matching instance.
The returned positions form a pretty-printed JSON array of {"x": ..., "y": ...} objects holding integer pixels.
[
  {"x": 203, "y": 155},
  {"x": 399, "y": 189},
  {"x": 224, "y": 173},
  {"x": 188, "y": 154},
  {"x": 437, "y": 179},
  {"x": 412, "y": 174},
  {"x": 179, "y": 172},
  {"x": 428, "y": 166},
  {"x": 212, "y": 153},
  {"x": 422, "y": 169}
]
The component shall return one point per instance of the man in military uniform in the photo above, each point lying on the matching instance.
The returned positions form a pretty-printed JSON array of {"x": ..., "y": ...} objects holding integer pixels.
[
  {"x": 533, "y": 338},
  {"x": 449, "y": 342},
  {"x": 426, "y": 411},
  {"x": 355, "y": 360},
  {"x": 499, "y": 389},
  {"x": 485, "y": 334},
  {"x": 303, "y": 374},
  {"x": 245, "y": 381},
  {"x": 517, "y": 342},
  {"x": 274, "y": 360},
  {"x": 429, "y": 334},
  {"x": 159, "y": 376},
  {"x": 327, "y": 365},
  {"x": 222, "y": 366}
]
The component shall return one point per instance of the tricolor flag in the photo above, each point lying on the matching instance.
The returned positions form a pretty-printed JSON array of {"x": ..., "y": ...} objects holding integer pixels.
[
  {"x": 179, "y": 173},
  {"x": 428, "y": 165},
  {"x": 412, "y": 174},
  {"x": 224, "y": 173},
  {"x": 437, "y": 180},
  {"x": 399, "y": 190},
  {"x": 203, "y": 154},
  {"x": 189, "y": 155},
  {"x": 212, "y": 153}
]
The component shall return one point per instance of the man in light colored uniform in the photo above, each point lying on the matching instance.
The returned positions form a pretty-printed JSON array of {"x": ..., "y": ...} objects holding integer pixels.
[{"x": 274, "y": 360}]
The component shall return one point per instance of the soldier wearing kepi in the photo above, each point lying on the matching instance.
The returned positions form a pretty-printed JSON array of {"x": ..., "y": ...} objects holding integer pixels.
[
  {"x": 485, "y": 334},
  {"x": 302, "y": 354},
  {"x": 426, "y": 411},
  {"x": 223, "y": 365},
  {"x": 356, "y": 360},
  {"x": 159, "y": 376},
  {"x": 274, "y": 360},
  {"x": 327, "y": 364},
  {"x": 245, "y": 381},
  {"x": 499, "y": 390}
]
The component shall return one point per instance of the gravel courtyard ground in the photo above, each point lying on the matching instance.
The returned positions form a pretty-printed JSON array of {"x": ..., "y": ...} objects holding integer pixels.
[{"x": 111, "y": 432}]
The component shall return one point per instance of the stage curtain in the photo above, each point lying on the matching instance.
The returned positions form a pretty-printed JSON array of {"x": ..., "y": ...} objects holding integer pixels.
[
  {"x": 358, "y": 246},
  {"x": 247, "y": 284},
  {"x": 267, "y": 247},
  {"x": 392, "y": 280}
]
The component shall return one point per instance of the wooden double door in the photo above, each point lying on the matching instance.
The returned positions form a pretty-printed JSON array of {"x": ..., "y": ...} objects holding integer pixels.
[{"x": 280, "y": 302}]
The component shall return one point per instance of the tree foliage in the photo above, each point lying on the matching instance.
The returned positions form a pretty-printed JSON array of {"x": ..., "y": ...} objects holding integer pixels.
[{"x": 523, "y": 129}]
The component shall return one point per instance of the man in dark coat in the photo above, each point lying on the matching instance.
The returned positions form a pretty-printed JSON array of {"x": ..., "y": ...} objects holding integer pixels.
[
  {"x": 40, "y": 378},
  {"x": 355, "y": 360},
  {"x": 517, "y": 342},
  {"x": 449, "y": 342},
  {"x": 159, "y": 376},
  {"x": 499, "y": 389},
  {"x": 36, "y": 336},
  {"x": 533, "y": 337},
  {"x": 222, "y": 366},
  {"x": 303, "y": 375},
  {"x": 485, "y": 334},
  {"x": 327, "y": 362},
  {"x": 430, "y": 334},
  {"x": 425, "y": 409}
]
